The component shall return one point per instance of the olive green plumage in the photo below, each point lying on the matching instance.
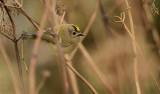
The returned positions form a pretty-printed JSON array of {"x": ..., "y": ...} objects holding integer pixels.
[{"x": 68, "y": 35}]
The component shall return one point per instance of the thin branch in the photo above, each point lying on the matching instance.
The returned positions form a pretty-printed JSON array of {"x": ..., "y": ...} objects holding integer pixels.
[
  {"x": 10, "y": 6},
  {"x": 10, "y": 18},
  {"x": 55, "y": 16},
  {"x": 155, "y": 81},
  {"x": 134, "y": 48},
  {"x": 35, "y": 24},
  {"x": 21, "y": 2},
  {"x": 71, "y": 74},
  {"x": 20, "y": 5},
  {"x": 8, "y": 62},
  {"x": 105, "y": 18},
  {"x": 19, "y": 67},
  {"x": 93, "y": 16},
  {"x": 32, "y": 83},
  {"x": 95, "y": 69},
  {"x": 62, "y": 58},
  {"x": 60, "y": 52},
  {"x": 45, "y": 74},
  {"x": 91, "y": 62},
  {"x": 150, "y": 25},
  {"x": 72, "y": 77},
  {"x": 20, "y": 9},
  {"x": 148, "y": 19},
  {"x": 62, "y": 17},
  {"x": 16, "y": 49},
  {"x": 134, "y": 45},
  {"x": 23, "y": 57},
  {"x": 6, "y": 36},
  {"x": 82, "y": 78},
  {"x": 19, "y": 38},
  {"x": 140, "y": 51}
]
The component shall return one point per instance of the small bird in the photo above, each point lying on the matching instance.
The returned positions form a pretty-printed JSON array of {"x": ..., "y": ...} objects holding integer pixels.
[{"x": 68, "y": 35}]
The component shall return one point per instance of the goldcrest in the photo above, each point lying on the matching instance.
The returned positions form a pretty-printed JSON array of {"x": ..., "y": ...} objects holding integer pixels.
[{"x": 68, "y": 35}]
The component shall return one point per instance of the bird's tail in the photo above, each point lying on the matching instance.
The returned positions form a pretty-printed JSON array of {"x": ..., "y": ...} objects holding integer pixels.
[{"x": 28, "y": 35}]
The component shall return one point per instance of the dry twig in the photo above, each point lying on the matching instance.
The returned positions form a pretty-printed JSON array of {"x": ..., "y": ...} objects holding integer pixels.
[
  {"x": 16, "y": 47},
  {"x": 96, "y": 69},
  {"x": 134, "y": 44},
  {"x": 45, "y": 74},
  {"x": 88, "y": 57},
  {"x": 4, "y": 53},
  {"x": 32, "y": 77},
  {"x": 134, "y": 48},
  {"x": 82, "y": 78},
  {"x": 121, "y": 20},
  {"x": 60, "y": 52},
  {"x": 72, "y": 77}
]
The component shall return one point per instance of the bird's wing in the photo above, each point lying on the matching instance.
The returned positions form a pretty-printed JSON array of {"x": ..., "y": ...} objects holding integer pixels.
[{"x": 47, "y": 37}]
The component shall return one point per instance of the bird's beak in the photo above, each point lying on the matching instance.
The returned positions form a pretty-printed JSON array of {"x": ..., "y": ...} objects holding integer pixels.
[{"x": 80, "y": 35}]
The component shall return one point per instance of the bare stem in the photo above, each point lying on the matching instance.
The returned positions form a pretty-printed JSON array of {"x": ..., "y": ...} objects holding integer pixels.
[
  {"x": 95, "y": 69},
  {"x": 2, "y": 48},
  {"x": 62, "y": 59},
  {"x": 16, "y": 49},
  {"x": 7, "y": 36},
  {"x": 19, "y": 67},
  {"x": 72, "y": 77},
  {"x": 105, "y": 18},
  {"x": 46, "y": 74},
  {"x": 60, "y": 52},
  {"x": 32, "y": 83},
  {"x": 93, "y": 16},
  {"x": 23, "y": 57},
  {"x": 35, "y": 24},
  {"x": 84, "y": 51},
  {"x": 62, "y": 17},
  {"x": 134, "y": 48},
  {"x": 10, "y": 18},
  {"x": 82, "y": 78}
]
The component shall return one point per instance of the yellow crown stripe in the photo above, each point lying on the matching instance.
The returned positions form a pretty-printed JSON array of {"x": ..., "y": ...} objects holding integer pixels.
[{"x": 76, "y": 27}]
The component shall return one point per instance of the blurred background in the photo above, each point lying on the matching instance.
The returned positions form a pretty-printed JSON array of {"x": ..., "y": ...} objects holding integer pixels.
[{"x": 107, "y": 42}]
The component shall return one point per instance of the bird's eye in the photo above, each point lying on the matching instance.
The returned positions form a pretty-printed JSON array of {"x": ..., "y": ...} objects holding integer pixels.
[{"x": 74, "y": 33}]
